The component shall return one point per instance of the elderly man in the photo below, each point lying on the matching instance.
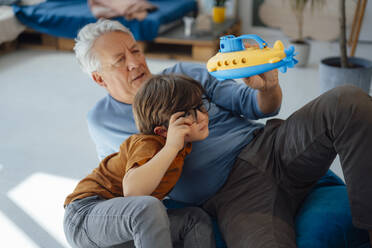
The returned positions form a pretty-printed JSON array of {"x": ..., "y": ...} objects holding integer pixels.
[{"x": 251, "y": 177}]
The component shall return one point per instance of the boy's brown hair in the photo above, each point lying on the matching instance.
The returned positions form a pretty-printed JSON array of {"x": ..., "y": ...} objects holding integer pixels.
[{"x": 163, "y": 95}]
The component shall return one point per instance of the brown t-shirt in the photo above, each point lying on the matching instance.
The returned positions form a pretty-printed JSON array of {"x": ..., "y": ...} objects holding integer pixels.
[{"x": 106, "y": 179}]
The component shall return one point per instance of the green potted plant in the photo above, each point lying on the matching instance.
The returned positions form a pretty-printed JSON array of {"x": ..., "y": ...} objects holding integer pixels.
[
  {"x": 218, "y": 11},
  {"x": 335, "y": 71},
  {"x": 302, "y": 46}
]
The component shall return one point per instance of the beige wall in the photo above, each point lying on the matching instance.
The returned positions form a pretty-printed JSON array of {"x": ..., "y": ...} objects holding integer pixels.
[
  {"x": 245, "y": 14},
  {"x": 366, "y": 32}
]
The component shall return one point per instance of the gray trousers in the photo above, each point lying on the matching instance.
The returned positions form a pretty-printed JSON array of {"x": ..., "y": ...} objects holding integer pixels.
[
  {"x": 274, "y": 173},
  {"x": 138, "y": 221}
]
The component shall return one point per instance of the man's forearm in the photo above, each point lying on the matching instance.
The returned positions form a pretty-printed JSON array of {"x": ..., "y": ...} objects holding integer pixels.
[{"x": 269, "y": 100}]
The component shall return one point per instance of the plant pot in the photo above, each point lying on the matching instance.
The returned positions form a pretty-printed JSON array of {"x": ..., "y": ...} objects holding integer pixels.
[
  {"x": 302, "y": 50},
  {"x": 332, "y": 75},
  {"x": 218, "y": 14}
]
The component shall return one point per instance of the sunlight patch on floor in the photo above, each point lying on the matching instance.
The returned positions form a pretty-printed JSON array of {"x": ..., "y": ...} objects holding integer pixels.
[
  {"x": 12, "y": 235},
  {"x": 41, "y": 196}
]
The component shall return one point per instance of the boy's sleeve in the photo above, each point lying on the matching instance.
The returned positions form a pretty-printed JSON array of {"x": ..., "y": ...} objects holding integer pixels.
[{"x": 141, "y": 152}]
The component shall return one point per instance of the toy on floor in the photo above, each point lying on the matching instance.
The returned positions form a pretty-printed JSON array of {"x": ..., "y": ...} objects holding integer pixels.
[{"x": 235, "y": 61}]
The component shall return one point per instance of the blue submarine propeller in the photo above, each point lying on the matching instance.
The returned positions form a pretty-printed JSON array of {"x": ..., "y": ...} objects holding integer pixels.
[{"x": 289, "y": 60}]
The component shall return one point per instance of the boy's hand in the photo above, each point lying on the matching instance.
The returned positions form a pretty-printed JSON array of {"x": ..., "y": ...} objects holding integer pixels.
[{"x": 178, "y": 128}]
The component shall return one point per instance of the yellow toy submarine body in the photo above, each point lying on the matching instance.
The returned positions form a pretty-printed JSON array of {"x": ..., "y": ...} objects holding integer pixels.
[{"x": 235, "y": 61}]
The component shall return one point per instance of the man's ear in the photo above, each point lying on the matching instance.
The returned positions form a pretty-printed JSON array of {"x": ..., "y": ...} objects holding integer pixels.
[
  {"x": 161, "y": 131},
  {"x": 98, "y": 79}
]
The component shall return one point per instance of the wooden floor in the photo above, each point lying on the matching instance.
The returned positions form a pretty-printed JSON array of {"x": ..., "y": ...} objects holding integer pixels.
[{"x": 7, "y": 47}]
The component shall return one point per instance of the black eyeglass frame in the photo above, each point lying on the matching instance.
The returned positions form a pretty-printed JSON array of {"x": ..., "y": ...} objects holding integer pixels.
[
  {"x": 203, "y": 107},
  {"x": 205, "y": 102}
]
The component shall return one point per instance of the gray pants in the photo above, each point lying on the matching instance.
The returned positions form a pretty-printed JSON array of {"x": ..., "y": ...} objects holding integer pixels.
[
  {"x": 274, "y": 173},
  {"x": 140, "y": 221}
]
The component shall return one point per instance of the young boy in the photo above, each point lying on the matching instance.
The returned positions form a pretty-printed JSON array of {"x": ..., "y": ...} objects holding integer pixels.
[{"x": 111, "y": 206}]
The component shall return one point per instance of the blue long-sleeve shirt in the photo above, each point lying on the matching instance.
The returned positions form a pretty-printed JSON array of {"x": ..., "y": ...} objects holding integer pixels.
[{"x": 206, "y": 168}]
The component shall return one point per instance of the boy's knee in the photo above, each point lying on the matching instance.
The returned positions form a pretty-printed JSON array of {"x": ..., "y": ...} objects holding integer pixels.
[
  {"x": 152, "y": 206},
  {"x": 150, "y": 222},
  {"x": 151, "y": 210}
]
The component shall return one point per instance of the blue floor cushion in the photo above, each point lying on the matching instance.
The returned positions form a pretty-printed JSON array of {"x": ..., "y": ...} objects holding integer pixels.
[
  {"x": 64, "y": 18},
  {"x": 324, "y": 220}
]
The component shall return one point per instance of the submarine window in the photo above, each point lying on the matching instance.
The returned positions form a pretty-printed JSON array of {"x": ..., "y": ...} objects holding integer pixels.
[
  {"x": 234, "y": 61},
  {"x": 244, "y": 60},
  {"x": 226, "y": 62}
]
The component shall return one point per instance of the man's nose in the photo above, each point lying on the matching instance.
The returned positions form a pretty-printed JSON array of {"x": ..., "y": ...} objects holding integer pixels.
[{"x": 132, "y": 62}]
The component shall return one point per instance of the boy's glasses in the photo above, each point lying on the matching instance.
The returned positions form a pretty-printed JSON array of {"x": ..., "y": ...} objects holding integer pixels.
[{"x": 202, "y": 107}]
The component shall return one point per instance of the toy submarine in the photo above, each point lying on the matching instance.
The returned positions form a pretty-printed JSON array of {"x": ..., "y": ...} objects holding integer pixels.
[{"x": 235, "y": 61}]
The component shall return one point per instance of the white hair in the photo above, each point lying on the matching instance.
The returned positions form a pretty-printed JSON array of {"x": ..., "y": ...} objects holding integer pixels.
[{"x": 85, "y": 40}]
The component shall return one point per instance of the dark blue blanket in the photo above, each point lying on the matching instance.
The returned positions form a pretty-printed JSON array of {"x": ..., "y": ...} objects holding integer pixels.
[{"x": 64, "y": 18}]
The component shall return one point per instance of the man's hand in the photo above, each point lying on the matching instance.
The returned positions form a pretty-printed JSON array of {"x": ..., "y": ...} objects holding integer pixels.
[
  {"x": 178, "y": 128},
  {"x": 269, "y": 95},
  {"x": 263, "y": 82}
]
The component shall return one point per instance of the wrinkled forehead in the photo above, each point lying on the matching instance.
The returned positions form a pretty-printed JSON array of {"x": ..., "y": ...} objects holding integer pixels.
[{"x": 111, "y": 44}]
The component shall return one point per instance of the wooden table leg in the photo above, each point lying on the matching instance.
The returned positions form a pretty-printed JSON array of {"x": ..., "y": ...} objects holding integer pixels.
[
  {"x": 358, "y": 27},
  {"x": 352, "y": 32}
]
